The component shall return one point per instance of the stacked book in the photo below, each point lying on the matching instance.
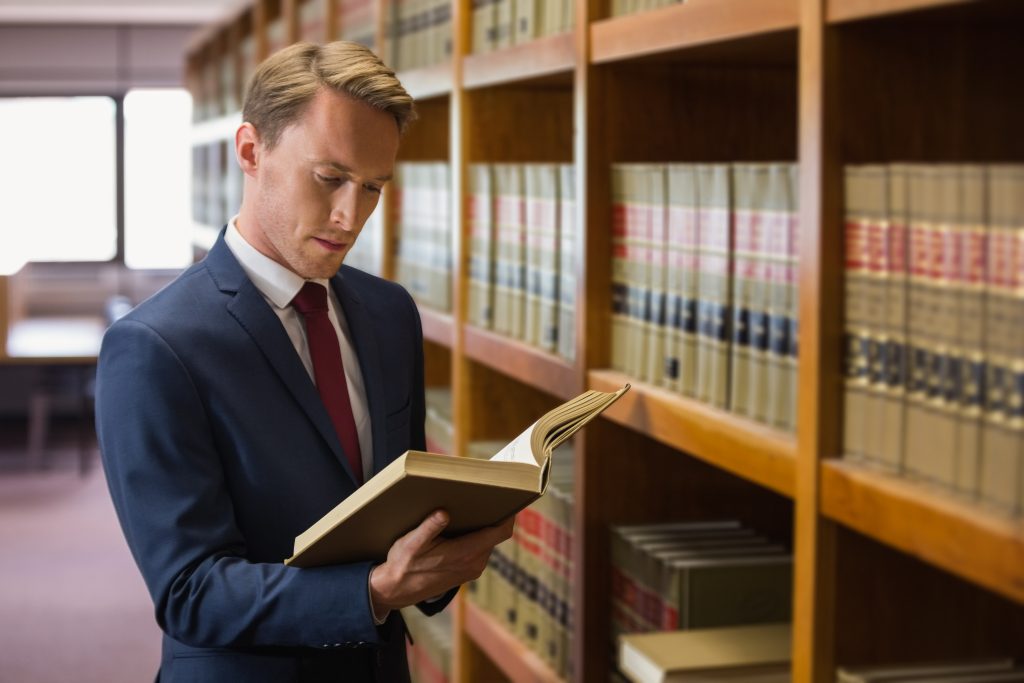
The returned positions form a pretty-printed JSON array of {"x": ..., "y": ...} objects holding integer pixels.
[
  {"x": 522, "y": 274},
  {"x": 419, "y": 33},
  {"x": 423, "y": 231},
  {"x": 357, "y": 21},
  {"x": 752, "y": 654},
  {"x": 688, "y": 575},
  {"x": 498, "y": 24},
  {"x": 977, "y": 671},
  {"x": 439, "y": 425},
  {"x": 704, "y": 283},
  {"x": 430, "y": 654},
  {"x": 527, "y": 584},
  {"x": 623, "y": 7},
  {"x": 934, "y": 326}
]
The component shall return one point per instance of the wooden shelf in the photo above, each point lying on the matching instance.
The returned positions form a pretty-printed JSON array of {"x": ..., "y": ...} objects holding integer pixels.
[
  {"x": 429, "y": 81},
  {"x": 752, "y": 451},
  {"x": 515, "y": 659},
  {"x": 521, "y": 361},
  {"x": 542, "y": 57},
  {"x": 980, "y": 546},
  {"x": 695, "y": 22},
  {"x": 438, "y": 327},
  {"x": 849, "y": 10}
]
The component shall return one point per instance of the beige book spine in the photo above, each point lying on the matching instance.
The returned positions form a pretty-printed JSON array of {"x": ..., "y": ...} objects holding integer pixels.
[
  {"x": 637, "y": 229},
  {"x": 655, "y": 182},
  {"x": 620, "y": 268},
  {"x": 777, "y": 397},
  {"x": 896, "y": 349},
  {"x": 714, "y": 287},
  {"x": 970, "y": 328},
  {"x": 567, "y": 262},
  {"x": 533, "y": 201},
  {"x": 1002, "y": 469},
  {"x": 745, "y": 193},
  {"x": 549, "y": 259}
]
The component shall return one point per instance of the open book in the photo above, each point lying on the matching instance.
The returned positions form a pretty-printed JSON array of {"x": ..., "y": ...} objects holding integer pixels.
[{"x": 475, "y": 493}]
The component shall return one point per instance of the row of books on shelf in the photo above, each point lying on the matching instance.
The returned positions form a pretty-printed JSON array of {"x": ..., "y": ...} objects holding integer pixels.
[
  {"x": 430, "y": 653},
  {"x": 419, "y": 33},
  {"x": 527, "y": 585},
  {"x": 934, "y": 277},
  {"x": 217, "y": 183},
  {"x": 498, "y": 24},
  {"x": 700, "y": 574},
  {"x": 522, "y": 272},
  {"x": 223, "y": 76},
  {"x": 423, "y": 230},
  {"x": 704, "y": 283}
]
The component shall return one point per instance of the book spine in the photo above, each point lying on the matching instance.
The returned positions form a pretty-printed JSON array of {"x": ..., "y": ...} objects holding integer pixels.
[
  {"x": 679, "y": 364},
  {"x": 637, "y": 230},
  {"x": 715, "y": 266},
  {"x": 549, "y": 260},
  {"x": 743, "y": 287},
  {"x": 567, "y": 263},
  {"x": 970, "y": 328},
  {"x": 655, "y": 327},
  {"x": 620, "y": 269},
  {"x": 533, "y": 204},
  {"x": 896, "y": 361}
]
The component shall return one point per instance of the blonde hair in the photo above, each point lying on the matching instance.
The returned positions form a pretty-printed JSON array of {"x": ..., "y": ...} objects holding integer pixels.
[{"x": 287, "y": 80}]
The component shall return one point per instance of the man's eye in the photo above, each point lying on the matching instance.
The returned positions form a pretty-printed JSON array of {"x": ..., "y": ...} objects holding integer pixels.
[
  {"x": 372, "y": 188},
  {"x": 327, "y": 179}
]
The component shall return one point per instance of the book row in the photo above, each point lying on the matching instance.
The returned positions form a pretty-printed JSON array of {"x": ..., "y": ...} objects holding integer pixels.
[
  {"x": 704, "y": 283},
  {"x": 498, "y": 24},
  {"x": 522, "y": 268},
  {"x": 217, "y": 183},
  {"x": 526, "y": 586},
  {"x": 423, "y": 232},
  {"x": 430, "y": 654},
  {"x": 419, "y": 33},
  {"x": 222, "y": 78},
  {"x": 934, "y": 325}
]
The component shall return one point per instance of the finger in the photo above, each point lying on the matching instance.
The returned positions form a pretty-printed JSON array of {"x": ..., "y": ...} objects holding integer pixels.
[{"x": 428, "y": 530}]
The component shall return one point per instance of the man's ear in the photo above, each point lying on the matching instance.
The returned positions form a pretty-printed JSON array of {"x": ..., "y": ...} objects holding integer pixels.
[{"x": 247, "y": 148}]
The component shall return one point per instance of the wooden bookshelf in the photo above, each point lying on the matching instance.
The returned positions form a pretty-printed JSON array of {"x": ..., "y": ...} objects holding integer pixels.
[
  {"x": 695, "y": 22},
  {"x": 542, "y": 57},
  {"x": 752, "y": 451},
  {"x": 513, "y": 659},
  {"x": 438, "y": 326},
  {"x": 429, "y": 81},
  {"x": 522, "y": 362},
  {"x": 984, "y": 547},
  {"x": 826, "y": 83}
]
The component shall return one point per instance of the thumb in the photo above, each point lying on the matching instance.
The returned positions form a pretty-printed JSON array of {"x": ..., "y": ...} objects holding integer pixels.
[{"x": 428, "y": 530}]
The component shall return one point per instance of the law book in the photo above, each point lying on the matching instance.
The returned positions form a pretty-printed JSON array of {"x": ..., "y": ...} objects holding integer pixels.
[
  {"x": 1002, "y": 456},
  {"x": 475, "y": 493},
  {"x": 621, "y": 268},
  {"x": 482, "y": 246},
  {"x": 714, "y": 283},
  {"x": 655, "y": 329},
  {"x": 784, "y": 325},
  {"x": 756, "y": 654},
  {"x": 481, "y": 591},
  {"x": 680, "y": 356},
  {"x": 896, "y": 361},
  {"x": 567, "y": 261}
]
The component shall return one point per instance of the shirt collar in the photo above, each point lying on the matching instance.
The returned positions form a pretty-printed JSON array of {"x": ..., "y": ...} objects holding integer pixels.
[{"x": 278, "y": 284}]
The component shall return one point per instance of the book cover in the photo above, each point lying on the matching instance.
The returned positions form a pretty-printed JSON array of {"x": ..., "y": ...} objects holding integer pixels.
[
  {"x": 896, "y": 361},
  {"x": 714, "y": 264},
  {"x": 680, "y": 365},
  {"x": 475, "y": 493},
  {"x": 655, "y": 328},
  {"x": 567, "y": 262},
  {"x": 482, "y": 253}
]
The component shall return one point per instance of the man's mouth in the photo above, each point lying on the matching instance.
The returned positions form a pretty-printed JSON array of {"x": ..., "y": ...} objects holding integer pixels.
[{"x": 330, "y": 245}]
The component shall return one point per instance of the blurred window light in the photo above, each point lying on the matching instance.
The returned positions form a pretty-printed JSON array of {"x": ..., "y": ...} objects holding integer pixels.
[
  {"x": 157, "y": 183},
  {"x": 58, "y": 178}
]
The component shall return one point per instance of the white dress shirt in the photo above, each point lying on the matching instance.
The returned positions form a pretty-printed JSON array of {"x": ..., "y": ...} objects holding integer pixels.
[{"x": 278, "y": 285}]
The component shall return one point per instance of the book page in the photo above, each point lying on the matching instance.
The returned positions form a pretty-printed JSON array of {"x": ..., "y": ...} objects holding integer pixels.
[{"x": 518, "y": 449}]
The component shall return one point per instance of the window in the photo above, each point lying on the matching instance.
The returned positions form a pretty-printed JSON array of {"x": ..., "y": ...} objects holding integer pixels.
[
  {"x": 157, "y": 185},
  {"x": 58, "y": 178}
]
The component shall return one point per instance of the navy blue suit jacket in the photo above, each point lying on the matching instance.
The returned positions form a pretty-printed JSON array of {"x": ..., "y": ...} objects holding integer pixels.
[{"x": 218, "y": 452}]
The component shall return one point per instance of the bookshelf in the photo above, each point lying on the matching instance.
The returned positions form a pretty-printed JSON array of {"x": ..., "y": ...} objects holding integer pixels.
[{"x": 886, "y": 569}]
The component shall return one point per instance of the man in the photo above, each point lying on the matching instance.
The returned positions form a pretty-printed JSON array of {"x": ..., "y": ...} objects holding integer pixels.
[{"x": 258, "y": 390}]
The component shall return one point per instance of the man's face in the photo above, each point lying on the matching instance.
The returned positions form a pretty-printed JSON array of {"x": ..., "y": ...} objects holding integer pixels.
[{"x": 315, "y": 189}]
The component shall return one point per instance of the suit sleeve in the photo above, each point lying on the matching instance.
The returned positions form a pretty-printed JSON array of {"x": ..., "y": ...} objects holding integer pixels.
[{"x": 168, "y": 488}]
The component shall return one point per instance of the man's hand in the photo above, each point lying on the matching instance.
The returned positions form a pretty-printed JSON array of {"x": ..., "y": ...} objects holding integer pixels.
[{"x": 423, "y": 565}]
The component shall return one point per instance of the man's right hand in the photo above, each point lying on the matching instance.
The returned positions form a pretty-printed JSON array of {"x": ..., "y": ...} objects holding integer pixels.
[{"x": 423, "y": 565}]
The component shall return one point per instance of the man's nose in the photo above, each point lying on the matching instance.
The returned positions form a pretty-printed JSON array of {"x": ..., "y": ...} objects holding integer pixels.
[{"x": 346, "y": 206}]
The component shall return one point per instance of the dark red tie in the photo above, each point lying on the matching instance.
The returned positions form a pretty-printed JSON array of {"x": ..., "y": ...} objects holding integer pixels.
[{"x": 329, "y": 371}]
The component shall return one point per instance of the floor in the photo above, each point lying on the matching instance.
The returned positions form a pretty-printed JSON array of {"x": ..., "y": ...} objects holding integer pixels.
[{"x": 72, "y": 604}]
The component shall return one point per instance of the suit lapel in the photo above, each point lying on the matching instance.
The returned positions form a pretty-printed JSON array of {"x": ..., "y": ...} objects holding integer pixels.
[
  {"x": 254, "y": 314},
  {"x": 360, "y": 326}
]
